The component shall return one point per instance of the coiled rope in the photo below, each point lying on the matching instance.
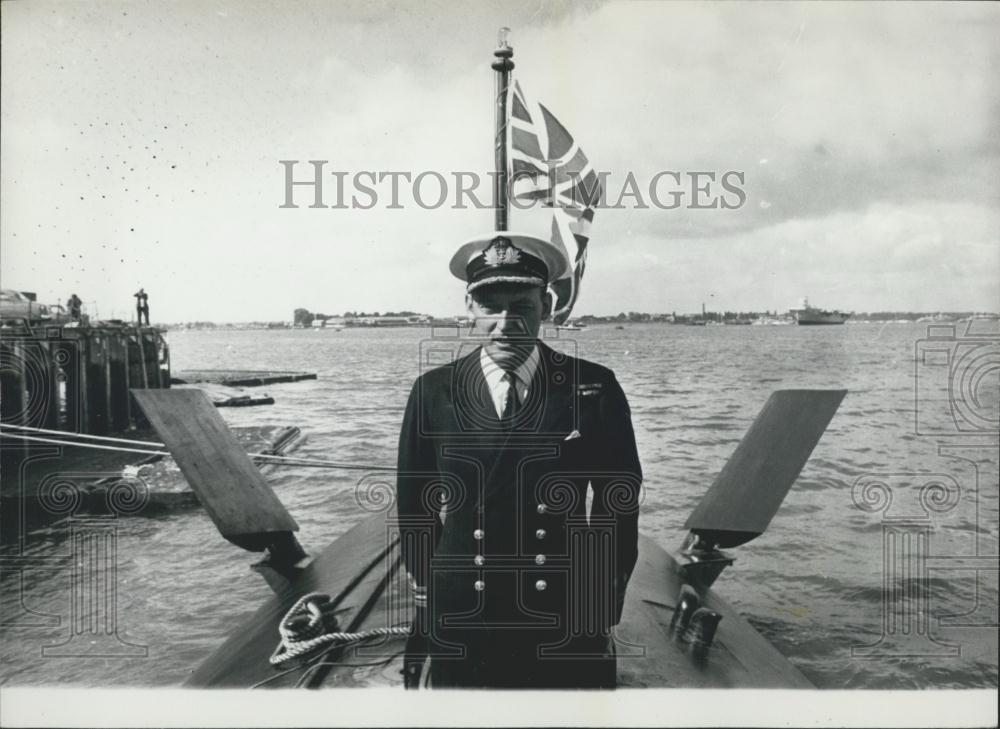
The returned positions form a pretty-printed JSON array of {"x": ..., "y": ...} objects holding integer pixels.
[{"x": 310, "y": 623}]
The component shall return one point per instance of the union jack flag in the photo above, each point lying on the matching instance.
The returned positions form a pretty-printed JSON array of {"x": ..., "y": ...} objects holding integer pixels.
[{"x": 548, "y": 167}]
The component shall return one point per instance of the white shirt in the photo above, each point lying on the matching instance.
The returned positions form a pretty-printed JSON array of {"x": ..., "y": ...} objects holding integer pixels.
[{"x": 498, "y": 384}]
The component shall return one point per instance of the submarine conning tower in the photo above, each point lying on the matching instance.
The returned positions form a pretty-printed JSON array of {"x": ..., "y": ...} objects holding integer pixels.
[{"x": 77, "y": 378}]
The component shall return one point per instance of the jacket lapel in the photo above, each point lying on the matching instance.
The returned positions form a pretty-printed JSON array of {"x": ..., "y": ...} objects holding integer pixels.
[
  {"x": 546, "y": 418},
  {"x": 556, "y": 380},
  {"x": 548, "y": 415},
  {"x": 471, "y": 396}
]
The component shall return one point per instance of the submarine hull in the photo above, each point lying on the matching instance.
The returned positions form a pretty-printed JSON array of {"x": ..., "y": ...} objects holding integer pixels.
[{"x": 365, "y": 581}]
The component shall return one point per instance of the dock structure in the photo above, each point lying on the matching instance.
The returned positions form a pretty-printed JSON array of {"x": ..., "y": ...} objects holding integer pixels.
[
  {"x": 73, "y": 433},
  {"x": 77, "y": 378},
  {"x": 240, "y": 378}
]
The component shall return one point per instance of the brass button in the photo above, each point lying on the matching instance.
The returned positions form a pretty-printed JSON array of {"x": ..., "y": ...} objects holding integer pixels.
[
  {"x": 540, "y": 534},
  {"x": 478, "y": 534},
  {"x": 542, "y": 508},
  {"x": 479, "y": 585},
  {"x": 479, "y": 560},
  {"x": 541, "y": 585},
  {"x": 539, "y": 559}
]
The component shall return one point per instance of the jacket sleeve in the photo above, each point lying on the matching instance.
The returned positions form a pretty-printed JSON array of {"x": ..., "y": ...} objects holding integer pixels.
[
  {"x": 419, "y": 525},
  {"x": 617, "y": 494}
]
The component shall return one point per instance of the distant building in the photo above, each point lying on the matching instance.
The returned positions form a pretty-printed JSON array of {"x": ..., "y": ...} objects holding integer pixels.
[{"x": 387, "y": 321}]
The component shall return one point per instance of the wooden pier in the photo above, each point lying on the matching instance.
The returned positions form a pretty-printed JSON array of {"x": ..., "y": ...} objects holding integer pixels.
[
  {"x": 240, "y": 378},
  {"x": 77, "y": 378}
]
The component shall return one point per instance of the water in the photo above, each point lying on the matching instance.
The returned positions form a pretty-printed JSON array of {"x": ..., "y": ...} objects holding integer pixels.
[{"x": 813, "y": 584}]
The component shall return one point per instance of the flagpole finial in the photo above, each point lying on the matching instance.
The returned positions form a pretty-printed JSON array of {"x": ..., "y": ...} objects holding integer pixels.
[
  {"x": 503, "y": 38},
  {"x": 504, "y": 51}
]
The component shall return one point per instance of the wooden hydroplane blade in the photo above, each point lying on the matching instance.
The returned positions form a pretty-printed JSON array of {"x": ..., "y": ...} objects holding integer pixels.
[
  {"x": 228, "y": 484},
  {"x": 753, "y": 483}
]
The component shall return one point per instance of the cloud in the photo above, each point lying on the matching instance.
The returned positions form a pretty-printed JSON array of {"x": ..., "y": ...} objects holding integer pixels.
[
  {"x": 936, "y": 256},
  {"x": 826, "y": 93},
  {"x": 140, "y": 146}
]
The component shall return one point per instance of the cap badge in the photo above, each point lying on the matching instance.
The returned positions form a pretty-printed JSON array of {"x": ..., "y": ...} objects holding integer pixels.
[{"x": 501, "y": 252}]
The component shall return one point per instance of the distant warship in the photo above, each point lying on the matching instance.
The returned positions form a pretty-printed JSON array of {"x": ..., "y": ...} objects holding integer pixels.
[{"x": 805, "y": 314}]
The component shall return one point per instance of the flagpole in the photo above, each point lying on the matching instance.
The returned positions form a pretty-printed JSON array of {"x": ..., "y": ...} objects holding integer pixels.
[{"x": 503, "y": 65}]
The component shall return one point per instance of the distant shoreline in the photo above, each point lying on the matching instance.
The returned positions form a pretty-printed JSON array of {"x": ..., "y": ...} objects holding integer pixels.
[{"x": 594, "y": 321}]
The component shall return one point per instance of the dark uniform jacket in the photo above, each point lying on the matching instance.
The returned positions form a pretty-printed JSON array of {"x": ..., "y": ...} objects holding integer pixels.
[{"x": 523, "y": 582}]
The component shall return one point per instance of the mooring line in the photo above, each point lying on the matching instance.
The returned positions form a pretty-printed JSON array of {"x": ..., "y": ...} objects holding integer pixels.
[
  {"x": 67, "y": 440},
  {"x": 39, "y": 439},
  {"x": 67, "y": 433},
  {"x": 318, "y": 463}
]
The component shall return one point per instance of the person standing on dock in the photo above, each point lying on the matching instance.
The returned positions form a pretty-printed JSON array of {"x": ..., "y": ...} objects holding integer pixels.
[
  {"x": 514, "y": 583},
  {"x": 73, "y": 304},
  {"x": 141, "y": 306}
]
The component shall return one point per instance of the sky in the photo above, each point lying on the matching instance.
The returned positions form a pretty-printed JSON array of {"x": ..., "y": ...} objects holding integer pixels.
[{"x": 140, "y": 147}]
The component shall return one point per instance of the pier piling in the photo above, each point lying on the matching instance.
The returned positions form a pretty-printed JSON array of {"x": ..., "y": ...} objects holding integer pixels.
[
  {"x": 117, "y": 368},
  {"x": 78, "y": 378}
]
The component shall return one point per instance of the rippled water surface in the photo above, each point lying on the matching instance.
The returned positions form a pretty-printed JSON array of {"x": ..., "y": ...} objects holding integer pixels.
[{"x": 813, "y": 584}]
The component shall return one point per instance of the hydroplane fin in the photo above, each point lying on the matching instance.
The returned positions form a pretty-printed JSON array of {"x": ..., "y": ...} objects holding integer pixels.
[
  {"x": 228, "y": 484},
  {"x": 751, "y": 486}
]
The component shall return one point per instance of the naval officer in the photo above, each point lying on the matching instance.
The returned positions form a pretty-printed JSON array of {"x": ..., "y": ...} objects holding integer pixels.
[{"x": 518, "y": 491}]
